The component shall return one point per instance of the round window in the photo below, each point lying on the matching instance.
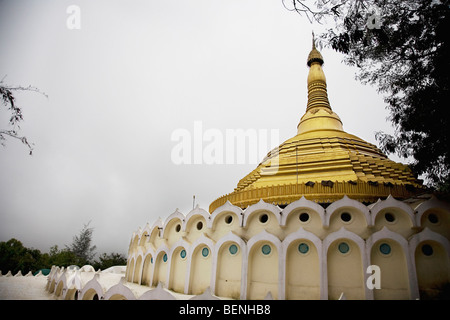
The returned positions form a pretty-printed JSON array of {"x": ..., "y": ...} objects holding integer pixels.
[
  {"x": 385, "y": 248},
  {"x": 427, "y": 250},
  {"x": 178, "y": 227},
  {"x": 343, "y": 247},
  {"x": 433, "y": 218},
  {"x": 389, "y": 217},
  {"x": 205, "y": 252},
  {"x": 183, "y": 254},
  {"x": 303, "y": 217},
  {"x": 233, "y": 249},
  {"x": 266, "y": 249},
  {"x": 263, "y": 218},
  {"x": 199, "y": 225},
  {"x": 165, "y": 257},
  {"x": 303, "y": 248},
  {"x": 228, "y": 219},
  {"x": 346, "y": 217}
]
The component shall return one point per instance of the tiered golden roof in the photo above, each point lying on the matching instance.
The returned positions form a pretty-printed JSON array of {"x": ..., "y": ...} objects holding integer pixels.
[{"x": 322, "y": 162}]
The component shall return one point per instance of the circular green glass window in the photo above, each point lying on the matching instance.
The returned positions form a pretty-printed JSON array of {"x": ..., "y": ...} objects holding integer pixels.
[
  {"x": 266, "y": 249},
  {"x": 343, "y": 247},
  {"x": 165, "y": 257},
  {"x": 385, "y": 248},
  {"x": 233, "y": 249},
  {"x": 205, "y": 252},
  {"x": 183, "y": 254},
  {"x": 303, "y": 248}
]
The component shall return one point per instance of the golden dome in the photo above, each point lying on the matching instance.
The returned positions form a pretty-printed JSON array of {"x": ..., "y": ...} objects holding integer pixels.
[{"x": 322, "y": 162}]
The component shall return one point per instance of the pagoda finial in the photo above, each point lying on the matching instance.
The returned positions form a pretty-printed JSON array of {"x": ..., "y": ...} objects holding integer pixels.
[
  {"x": 318, "y": 110},
  {"x": 313, "y": 40},
  {"x": 314, "y": 55}
]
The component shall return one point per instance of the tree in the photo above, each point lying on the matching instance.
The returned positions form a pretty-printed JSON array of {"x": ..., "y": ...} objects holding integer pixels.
[
  {"x": 400, "y": 47},
  {"x": 110, "y": 260},
  {"x": 15, "y": 257},
  {"x": 81, "y": 246},
  {"x": 60, "y": 257},
  {"x": 16, "y": 116}
]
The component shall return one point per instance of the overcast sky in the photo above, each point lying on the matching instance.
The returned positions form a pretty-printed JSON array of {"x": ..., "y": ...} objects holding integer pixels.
[{"x": 118, "y": 88}]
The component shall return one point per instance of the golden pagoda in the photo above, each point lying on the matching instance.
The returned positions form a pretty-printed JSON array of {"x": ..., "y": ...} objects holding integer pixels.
[{"x": 323, "y": 162}]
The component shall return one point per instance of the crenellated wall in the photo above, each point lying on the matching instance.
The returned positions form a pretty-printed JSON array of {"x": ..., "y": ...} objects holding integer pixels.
[{"x": 304, "y": 251}]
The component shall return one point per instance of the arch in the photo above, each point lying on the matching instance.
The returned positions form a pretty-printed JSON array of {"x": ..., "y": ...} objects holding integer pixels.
[
  {"x": 196, "y": 213},
  {"x": 147, "y": 268},
  {"x": 119, "y": 292},
  {"x": 441, "y": 216},
  {"x": 161, "y": 266},
  {"x": 134, "y": 242},
  {"x": 71, "y": 294},
  {"x": 130, "y": 269},
  {"x": 229, "y": 267},
  {"x": 172, "y": 228},
  {"x": 178, "y": 266},
  {"x": 345, "y": 265},
  {"x": 432, "y": 203},
  {"x": 303, "y": 253},
  {"x": 392, "y": 204},
  {"x": 390, "y": 252},
  {"x": 92, "y": 290},
  {"x": 264, "y": 266},
  {"x": 261, "y": 206},
  {"x": 431, "y": 252},
  {"x": 357, "y": 213},
  {"x": 61, "y": 286},
  {"x": 144, "y": 236},
  {"x": 154, "y": 231},
  {"x": 200, "y": 265},
  {"x": 223, "y": 209},
  {"x": 302, "y": 203},
  {"x": 137, "y": 270},
  {"x": 159, "y": 293}
]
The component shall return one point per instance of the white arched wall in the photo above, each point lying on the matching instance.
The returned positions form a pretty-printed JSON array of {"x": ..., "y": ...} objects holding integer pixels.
[
  {"x": 397, "y": 274},
  {"x": 130, "y": 268},
  {"x": 293, "y": 217},
  {"x": 440, "y": 209},
  {"x": 434, "y": 268},
  {"x": 138, "y": 268},
  {"x": 226, "y": 208},
  {"x": 199, "y": 269},
  {"x": 92, "y": 288},
  {"x": 147, "y": 268},
  {"x": 193, "y": 215},
  {"x": 172, "y": 229},
  {"x": 303, "y": 271},
  {"x": 177, "y": 266},
  {"x": 262, "y": 281},
  {"x": 404, "y": 216},
  {"x": 359, "y": 213},
  {"x": 285, "y": 229},
  {"x": 254, "y": 224},
  {"x": 229, "y": 270},
  {"x": 161, "y": 266},
  {"x": 345, "y": 273},
  {"x": 299, "y": 204}
]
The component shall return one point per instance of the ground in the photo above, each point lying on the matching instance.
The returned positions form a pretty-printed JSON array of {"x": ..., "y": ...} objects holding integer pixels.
[{"x": 24, "y": 288}]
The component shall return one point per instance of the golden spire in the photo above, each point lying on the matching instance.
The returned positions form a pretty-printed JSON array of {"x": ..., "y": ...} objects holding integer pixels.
[{"x": 318, "y": 114}]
